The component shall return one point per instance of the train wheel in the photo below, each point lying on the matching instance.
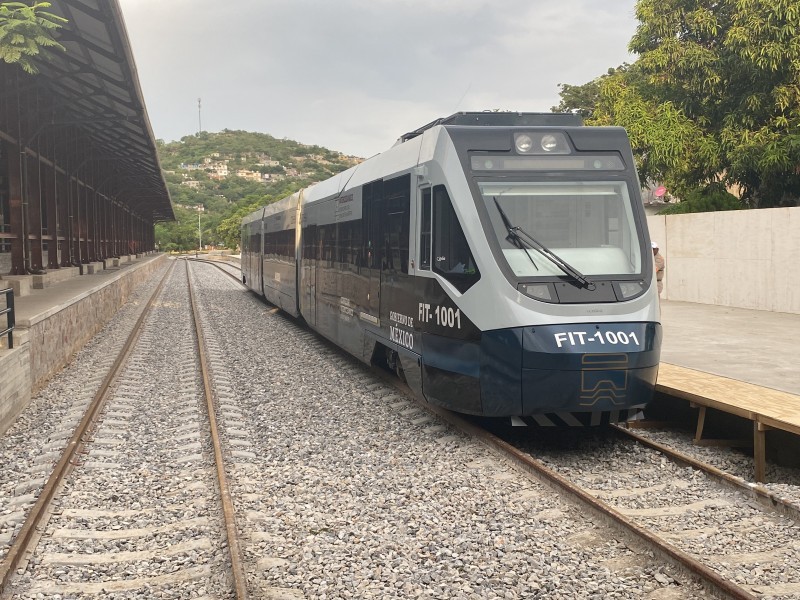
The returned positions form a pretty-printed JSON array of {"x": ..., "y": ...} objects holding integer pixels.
[{"x": 398, "y": 369}]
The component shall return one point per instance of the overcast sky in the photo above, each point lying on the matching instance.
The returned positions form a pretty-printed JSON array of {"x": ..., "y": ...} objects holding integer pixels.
[{"x": 353, "y": 75}]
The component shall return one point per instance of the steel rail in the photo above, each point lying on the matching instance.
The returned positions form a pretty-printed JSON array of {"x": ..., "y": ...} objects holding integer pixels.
[
  {"x": 218, "y": 265},
  {"x": 761, "y": 493},
  {"x": 711, "y": 579},
  {"x": 232, "y": 532},
  {"x": 75, "y": 446}
]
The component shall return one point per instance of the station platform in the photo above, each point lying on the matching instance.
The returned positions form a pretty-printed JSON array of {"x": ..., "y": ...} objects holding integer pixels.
[
  {"x": 55, "y": 322},
  {"x": 753, "y": 346},
  {"x": 733, "y": 363}
]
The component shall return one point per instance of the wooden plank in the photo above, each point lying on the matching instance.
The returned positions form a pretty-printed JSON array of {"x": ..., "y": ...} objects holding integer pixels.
[
  {"x": 760, "y": 452},
  {"x": 767, "y": 408},
  {"x": 790, "y": 425},
  {"x": 701, "y": 421},
  {"x": 779, "y": 410}
]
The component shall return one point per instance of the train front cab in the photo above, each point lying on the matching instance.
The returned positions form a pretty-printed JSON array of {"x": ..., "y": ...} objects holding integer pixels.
[{"x": 568, "y": 239}]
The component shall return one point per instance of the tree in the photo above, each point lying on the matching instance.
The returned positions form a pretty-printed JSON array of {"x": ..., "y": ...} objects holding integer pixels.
[
  {"x": 229, "y": 228},
  {"x": 584, "y": 99},
  {"x": 732, "y": 68},
  {"x": 24, "y": 31},
  {"x": 669, "y": 147},
  {"x": 227, "y": 200}
]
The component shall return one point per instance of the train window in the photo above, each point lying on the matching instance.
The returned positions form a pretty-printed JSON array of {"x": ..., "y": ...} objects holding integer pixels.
[
  {"x": 425, "y": 231},
  {"x": 589, "y": 225},
  {"x": 452, "y": 258},
  {"x": 286, "y": 247},
  {"x": 349, "y": 243},
  {"x": 272, "y": 241},
  {"x": 372, "y": 202},
  {"x": 309, "y": 242},
  {"x": 396, "y": 207},
  {"x": 328, "y": 244}
]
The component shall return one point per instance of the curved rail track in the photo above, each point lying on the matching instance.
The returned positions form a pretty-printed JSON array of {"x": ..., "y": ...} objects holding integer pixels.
[
  {"x": 167, "y": 518},
  {"x": 236, "y": 274}
]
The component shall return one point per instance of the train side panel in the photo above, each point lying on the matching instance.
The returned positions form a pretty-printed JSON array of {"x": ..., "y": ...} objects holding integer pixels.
[
  {"x": 279, "y": 257},
  {"x": 251, "y": 250}
]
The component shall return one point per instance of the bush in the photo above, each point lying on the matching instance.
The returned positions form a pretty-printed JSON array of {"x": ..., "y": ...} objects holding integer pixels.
[{"x": 711, "y": 198}]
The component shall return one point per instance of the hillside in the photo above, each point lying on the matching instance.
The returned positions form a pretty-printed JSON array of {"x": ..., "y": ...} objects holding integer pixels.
[{"x": 221, "y": 175}]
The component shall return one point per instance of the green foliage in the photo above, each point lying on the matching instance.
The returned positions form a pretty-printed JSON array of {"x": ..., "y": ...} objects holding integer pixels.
[
  {"x": 229, "y": 228},
  {"x": 225, "y": 201},
  {"x": 733, "y": 68},
  {"x": 181, "y": 234},
  {"x": 235, "y": 144},
  {"x": 25, "y": 30},
  {"x": 584, "y": 99},
  {"x": 708, "y": 199},
  {"x": 714, "y": 96},
  {"x": 664, "y": 141}
]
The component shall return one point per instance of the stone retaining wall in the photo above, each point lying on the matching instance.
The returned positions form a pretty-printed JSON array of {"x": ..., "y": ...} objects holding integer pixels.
[
  {"x": 55, "y": 339},
  {"x": 46, "y": 344},
  {"x": 15, "y": 387}
]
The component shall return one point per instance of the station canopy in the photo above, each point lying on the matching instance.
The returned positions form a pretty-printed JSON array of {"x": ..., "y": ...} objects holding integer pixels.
[{"x": 96, "y": 86}]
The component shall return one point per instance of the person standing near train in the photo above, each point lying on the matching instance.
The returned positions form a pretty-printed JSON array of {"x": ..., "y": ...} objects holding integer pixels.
[{"x": 660, "y": 264}]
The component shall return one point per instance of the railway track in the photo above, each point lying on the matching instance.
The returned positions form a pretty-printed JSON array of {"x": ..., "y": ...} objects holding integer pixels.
[
  {"x": 231, "y": 269},
  {"x": 133, "y": 505},
  {"x": 347, "y": 487},
  {"x": 675, "y": 505}
]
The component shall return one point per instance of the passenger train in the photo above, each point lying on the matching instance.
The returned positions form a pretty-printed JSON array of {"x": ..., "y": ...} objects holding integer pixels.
[{"x": 499, "y": 262}]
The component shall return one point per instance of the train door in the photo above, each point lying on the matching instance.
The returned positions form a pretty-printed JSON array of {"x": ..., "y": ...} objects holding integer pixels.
[
  {"x": 398, "y": 299},
  {"x": 257, "y": 249},
  {"x": 308, "y": 268},
  {"x": 368, "y": 299}
]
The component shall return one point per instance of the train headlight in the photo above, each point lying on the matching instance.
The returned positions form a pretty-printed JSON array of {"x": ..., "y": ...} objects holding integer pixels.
[
  {"x": 523, "y": 142},
  {"x": 541, "y": 143},
  {"x": 549, "y": 143}
]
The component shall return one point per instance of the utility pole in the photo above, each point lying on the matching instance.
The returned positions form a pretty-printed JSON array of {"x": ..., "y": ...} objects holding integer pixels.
[
  {"x": 199, "y": 120},
  {"x": 199, "y": 235}
]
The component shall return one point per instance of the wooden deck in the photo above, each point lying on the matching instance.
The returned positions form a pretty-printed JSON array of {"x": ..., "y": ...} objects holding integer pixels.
[{"x": 766, "y": 408}]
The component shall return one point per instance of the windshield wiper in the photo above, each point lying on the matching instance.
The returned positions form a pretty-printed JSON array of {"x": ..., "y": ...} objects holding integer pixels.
[
  {"x": 513, "y": 236},
  {"x": 514, "y": 233}
]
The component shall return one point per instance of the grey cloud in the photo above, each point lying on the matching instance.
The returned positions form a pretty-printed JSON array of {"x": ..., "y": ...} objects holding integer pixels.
[{"x": 352, "y": 75}]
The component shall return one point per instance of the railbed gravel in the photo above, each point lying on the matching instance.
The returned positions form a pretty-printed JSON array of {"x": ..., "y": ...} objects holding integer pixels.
[
  {"x": 30, "y": 447},
  {"x": 145, "y": 476},
  {"x": 346, "y": 489},
  {"x": 782, "y": 481},
  {"x": 349, "y": 490},
  {"x": 644, "y": 480}
]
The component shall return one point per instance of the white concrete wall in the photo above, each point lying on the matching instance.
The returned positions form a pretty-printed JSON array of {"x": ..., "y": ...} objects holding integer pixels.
[{"x": 743, "y": 258}]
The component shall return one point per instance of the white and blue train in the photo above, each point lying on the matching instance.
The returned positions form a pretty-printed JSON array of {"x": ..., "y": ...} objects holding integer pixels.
[{"x": 499, "y": 262}]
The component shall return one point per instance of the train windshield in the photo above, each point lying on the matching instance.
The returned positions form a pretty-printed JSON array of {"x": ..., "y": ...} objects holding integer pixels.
[{"x": 588, "y": 224}]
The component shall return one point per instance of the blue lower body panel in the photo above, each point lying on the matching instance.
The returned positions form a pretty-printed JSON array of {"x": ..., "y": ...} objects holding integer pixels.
[
  {"x": 547, "y": 369},
  {"x": 603, "y": 390},
  {"x": 451, "y": 374}
]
